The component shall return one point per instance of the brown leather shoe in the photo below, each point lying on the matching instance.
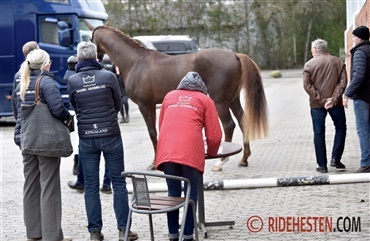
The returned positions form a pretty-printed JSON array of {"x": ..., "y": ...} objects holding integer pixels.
[
  {"x": 131, "y": 235},
  {"x": 363, "y": 170},
  {"x": 96, "y": 236}
]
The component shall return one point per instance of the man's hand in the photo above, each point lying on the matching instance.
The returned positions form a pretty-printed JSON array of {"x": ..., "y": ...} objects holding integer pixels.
[
  {"x": 345, "y": 101},
  {"x": 329, "y": 104}
]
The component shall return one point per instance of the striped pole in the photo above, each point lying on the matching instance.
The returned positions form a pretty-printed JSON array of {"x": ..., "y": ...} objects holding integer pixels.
[
  {"x": 290, "y": 181},
  {"x": 271, "y": 182}
]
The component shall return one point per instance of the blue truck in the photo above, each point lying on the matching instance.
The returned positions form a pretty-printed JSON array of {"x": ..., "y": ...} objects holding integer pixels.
[{"x": 56, "y": 25}]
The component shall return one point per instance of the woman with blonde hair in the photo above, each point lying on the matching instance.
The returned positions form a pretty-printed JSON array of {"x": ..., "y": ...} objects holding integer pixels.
[{"x": 42, "y": 202}]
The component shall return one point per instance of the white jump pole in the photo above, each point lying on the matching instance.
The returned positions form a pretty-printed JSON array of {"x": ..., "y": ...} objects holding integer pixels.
[{"x": 272, "y": 182}]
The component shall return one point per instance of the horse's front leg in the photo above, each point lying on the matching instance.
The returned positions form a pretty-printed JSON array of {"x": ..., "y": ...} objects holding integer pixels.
[
  {"x": 228, "y": 126},
  {"x": 149, "y": 114}
]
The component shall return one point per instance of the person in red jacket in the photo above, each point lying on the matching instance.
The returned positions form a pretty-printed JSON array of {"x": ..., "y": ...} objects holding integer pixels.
[{"x": 187, "y": 114}]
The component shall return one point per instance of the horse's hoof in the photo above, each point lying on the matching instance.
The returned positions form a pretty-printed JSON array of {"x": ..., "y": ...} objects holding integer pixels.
[
  {"x": 216, "y": 169},
  {"x": 151, "y": 167},
  {"x": 243, "y": 164}
]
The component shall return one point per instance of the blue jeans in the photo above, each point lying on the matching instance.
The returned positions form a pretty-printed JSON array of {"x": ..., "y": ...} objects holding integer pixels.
[
  {"x": 362, "y": 114},
  {"x": 89, "y": 155},
  {"x": 81, "y": 179},
  {"x": 174, "y": 190},
  {"x": 338, "y": 116}
]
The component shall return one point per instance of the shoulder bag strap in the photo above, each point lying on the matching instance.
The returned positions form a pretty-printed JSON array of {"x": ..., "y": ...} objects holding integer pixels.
[{"x": 37, "y": 90}]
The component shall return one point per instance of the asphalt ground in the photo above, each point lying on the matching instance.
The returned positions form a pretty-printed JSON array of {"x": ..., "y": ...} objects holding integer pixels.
[{"x": 308, "y": 212}]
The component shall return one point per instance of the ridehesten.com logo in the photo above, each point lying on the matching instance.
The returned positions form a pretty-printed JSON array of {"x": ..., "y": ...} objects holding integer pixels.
[{"x": 307, "y": 224}]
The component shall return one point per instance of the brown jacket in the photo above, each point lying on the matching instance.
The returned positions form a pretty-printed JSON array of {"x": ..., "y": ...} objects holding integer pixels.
[{"x": 324, "y": 77}]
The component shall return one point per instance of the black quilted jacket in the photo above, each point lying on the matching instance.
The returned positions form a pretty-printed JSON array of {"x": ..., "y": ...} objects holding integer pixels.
[
  {"x": 359, "y": 86},
  {"x": 50, "y": 95}
]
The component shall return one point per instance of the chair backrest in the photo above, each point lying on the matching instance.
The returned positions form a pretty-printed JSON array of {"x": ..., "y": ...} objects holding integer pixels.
[
  {"x": 142, "y": 200},
  {"x": 141, "y": 192}
]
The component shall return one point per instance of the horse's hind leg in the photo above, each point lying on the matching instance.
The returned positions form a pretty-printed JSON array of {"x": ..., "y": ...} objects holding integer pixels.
[
  {"x": 149, "y": 114},
  {"x": 238, "y": 112},
  {"x": 228, "y": 126}
]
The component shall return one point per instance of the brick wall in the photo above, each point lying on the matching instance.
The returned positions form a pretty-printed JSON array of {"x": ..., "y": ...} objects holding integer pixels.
[{"x": 363, "y": 18}]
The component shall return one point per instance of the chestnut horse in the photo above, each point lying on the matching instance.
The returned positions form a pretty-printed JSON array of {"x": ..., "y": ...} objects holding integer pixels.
[{"x": 149, "y": 75}]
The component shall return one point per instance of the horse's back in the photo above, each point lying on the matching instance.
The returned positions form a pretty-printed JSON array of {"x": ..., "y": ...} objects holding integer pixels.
[
  {"x": 217, "y": 55},
  {"x": 220, "y": 69}
]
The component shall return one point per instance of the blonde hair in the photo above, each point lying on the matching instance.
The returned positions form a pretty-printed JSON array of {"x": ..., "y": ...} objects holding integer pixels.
[{"x": 37, "y": 59}]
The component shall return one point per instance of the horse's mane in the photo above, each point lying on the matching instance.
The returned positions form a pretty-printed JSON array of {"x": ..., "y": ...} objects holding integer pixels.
[{"x": 122, "y": 35}]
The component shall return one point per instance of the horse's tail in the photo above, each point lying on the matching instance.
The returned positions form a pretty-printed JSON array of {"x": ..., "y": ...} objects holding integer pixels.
[{"x": 255, "y": 119}]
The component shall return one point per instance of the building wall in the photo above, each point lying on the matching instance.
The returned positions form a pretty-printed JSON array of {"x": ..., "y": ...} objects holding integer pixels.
[{"x": 362, "y": 18}]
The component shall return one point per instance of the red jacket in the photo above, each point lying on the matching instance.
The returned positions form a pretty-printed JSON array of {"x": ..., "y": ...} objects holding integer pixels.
[{"x": 184, "y": 114}]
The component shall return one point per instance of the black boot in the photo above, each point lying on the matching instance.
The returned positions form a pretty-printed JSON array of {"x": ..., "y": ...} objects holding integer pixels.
[
  {"x": 75, "y": 165},
  {"x": 337, "y": 164}
]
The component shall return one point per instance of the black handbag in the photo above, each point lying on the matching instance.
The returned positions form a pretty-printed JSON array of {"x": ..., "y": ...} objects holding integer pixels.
[{"x": 41, "y": 133}]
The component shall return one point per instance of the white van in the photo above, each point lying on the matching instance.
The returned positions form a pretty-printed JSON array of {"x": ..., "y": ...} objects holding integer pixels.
[{"x": 171, "y": 44}]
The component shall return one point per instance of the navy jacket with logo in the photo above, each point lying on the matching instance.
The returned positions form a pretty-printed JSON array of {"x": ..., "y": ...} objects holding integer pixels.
[{"x": 96, "y": 98}]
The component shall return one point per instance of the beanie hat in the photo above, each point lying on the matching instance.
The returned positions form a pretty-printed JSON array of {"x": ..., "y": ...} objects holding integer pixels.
[
  {"x": 361, "y": 32},
  {"x": 192, "y": 81}
]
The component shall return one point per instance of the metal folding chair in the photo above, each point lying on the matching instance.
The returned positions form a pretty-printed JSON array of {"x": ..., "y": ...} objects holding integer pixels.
[{"x": 143, "y": 202}]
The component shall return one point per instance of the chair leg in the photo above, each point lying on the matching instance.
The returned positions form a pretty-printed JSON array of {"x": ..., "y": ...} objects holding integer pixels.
[
  {"x": 183, "y": 222},
  {"x": 128, "y": 225},
  {"x": 151, "y": 227},
  {"x": 195, "y": 221}
]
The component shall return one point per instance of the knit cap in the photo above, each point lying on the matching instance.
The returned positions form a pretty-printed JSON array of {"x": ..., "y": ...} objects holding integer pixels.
[
  {"x": 192, "y": 81},
  {"x": 361, "y": 32}
]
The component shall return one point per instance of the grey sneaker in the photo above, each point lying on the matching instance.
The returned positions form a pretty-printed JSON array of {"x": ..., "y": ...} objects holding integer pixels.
[
  {"x": 96, "y": 236},
  {"x": 131, "y": 235}
]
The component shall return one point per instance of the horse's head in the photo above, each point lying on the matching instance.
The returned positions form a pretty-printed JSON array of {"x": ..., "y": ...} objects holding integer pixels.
[{"x": 95, "y": 39}]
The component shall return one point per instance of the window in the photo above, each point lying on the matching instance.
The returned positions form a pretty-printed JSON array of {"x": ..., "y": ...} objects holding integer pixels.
[
  {"x": 85, "y": 24},
  {"x": 49, "y": 29},
  {"x": 58, "y": 1}
]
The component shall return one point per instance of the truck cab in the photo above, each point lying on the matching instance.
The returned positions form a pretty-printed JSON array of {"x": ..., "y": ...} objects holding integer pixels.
[{"x": 56, "y": 25}]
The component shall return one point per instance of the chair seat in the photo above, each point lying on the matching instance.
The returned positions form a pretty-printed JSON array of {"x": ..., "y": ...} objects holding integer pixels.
[
  {"x": 143, "y": 202},
  {"x": 161, "y": 203}
]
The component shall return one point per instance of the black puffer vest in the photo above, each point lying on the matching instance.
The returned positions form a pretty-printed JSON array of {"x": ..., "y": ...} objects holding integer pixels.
[{"x": 363, "y": 92}]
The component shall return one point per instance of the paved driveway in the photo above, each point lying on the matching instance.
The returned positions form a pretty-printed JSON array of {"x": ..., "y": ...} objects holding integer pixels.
[{"x": 279, "y": 213}]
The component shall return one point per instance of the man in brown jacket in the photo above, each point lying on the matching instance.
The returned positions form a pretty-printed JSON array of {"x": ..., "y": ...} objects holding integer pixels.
[{"x": 324, "y": 80}]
